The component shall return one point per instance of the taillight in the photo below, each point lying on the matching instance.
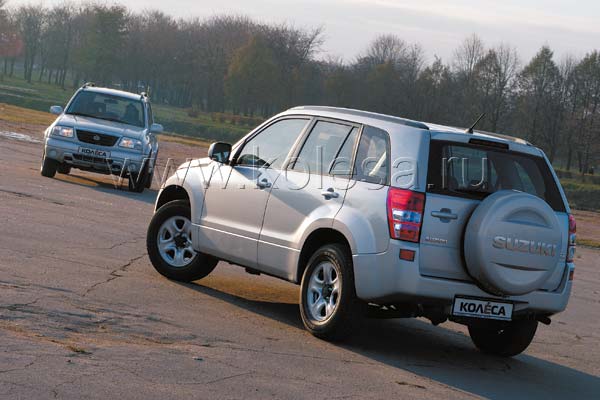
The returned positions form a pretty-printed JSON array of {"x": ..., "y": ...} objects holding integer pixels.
[
  {"x": 405, "y": 214},
  {"x": 572, "y": 236}
]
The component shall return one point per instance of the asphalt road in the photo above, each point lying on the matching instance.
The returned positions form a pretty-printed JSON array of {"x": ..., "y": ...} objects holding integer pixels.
[{"x": 84, "y": 315}]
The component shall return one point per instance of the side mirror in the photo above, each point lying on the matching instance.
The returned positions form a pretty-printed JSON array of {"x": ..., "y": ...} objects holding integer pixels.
[
  {"x": 56, "y": 110},
  {"x": 156, "y": 128},
  {"x": 219, "y": 151}
]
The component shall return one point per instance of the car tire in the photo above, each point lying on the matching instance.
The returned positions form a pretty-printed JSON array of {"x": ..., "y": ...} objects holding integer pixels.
[
  {"x": 63, "y": 169},
  {"x": 328, "y": 304},
  {"x": 136, "y": 185},
  {"x": 506, "y": 341},
  {"x": 148, "y": 182},
  {"x": 165, "y": 258},
  {"x": 49, "y": 167}
]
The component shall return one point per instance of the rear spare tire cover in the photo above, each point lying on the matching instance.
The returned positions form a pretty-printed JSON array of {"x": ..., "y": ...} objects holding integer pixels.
[{"x": 512, "y": 243}]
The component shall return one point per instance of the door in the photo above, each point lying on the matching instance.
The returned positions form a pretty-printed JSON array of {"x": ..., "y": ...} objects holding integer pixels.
[
  {"x": 311, "y": 189},
  {"x": 235, "y": 200}
]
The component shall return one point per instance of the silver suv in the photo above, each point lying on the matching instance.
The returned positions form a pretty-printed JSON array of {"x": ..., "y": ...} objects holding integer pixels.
[
  {"x": 379, "y": 215},
  {"x": 106, "y": 131}
]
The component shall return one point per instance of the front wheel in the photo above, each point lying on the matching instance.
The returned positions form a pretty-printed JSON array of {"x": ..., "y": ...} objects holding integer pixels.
[
  {"x": 169, "y": 244},
  {"x": 136, "y": 183},
  {"x": 505, "y": 341},
  {"x": 328, "y": 304}
]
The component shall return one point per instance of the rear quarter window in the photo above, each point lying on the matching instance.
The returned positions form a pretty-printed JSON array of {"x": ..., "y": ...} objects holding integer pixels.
[{"x": 475, "y": 171}]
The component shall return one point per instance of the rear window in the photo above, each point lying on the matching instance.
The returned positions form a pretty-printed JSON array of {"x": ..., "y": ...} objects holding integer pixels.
[{"x": 473, "y": 171}]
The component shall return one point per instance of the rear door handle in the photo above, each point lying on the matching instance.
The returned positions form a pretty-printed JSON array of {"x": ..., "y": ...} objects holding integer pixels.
[
  {"x": 263, "y": 183},
  {"x": 444, "y": 213},
  {"x": 330, "y": 193}
]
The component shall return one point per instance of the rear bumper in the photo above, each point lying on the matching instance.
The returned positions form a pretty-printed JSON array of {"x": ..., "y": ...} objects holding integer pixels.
[
  {"x": 384, "y": 278},
  {"x": 67, "y": 151}
]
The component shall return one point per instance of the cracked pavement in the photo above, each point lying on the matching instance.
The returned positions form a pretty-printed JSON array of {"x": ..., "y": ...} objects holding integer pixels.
[{"x": 84, "y": 315}]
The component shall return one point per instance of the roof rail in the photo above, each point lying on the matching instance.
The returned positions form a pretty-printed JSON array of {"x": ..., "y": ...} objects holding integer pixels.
[
  {"x": 366, "y": 114},
  {"x": 88, "y": 84}
]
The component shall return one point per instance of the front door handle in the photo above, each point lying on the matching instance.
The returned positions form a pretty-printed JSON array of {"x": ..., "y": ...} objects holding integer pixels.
[
  {"x": 263, "y": 183},
  {"x": 444, "y": 213},
  {"x": 330, "y": 193}
]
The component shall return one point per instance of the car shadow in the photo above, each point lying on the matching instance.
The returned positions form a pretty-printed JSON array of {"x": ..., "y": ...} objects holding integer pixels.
[
  {"x": 437, "y": 353},
  {"x": 106, "y": 184}
]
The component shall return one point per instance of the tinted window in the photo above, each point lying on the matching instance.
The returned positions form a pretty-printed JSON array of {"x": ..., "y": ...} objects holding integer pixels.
[
  {"x": 372, "y": 157},
  {"x": 108, "y": 107},
  {"x": 342, "y": 164},
  {"x": 271, "y": 146},
  {"x": 321, "y": 147},
  {"x": 475, "y": 171}
]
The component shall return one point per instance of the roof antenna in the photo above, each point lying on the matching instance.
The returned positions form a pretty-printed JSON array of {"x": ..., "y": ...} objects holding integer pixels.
[{"x": 470, "y": 130}]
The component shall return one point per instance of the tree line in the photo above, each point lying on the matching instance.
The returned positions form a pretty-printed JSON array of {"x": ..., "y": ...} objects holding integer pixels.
[{"x": 232, "y": 63}]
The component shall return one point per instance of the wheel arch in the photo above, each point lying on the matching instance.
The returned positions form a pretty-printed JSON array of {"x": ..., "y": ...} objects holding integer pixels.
[
  {"x": 171, "y": 193},
  {"x": 316, "y": 239}
]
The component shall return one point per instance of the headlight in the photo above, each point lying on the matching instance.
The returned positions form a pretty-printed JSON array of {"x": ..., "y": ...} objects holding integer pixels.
[
  {"x": 130, "y": 143},
  {"x": 62, "y": 131}
]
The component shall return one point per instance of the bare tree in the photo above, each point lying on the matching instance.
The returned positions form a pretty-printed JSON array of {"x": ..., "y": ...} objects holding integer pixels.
[{"x": 30, "y": 20}]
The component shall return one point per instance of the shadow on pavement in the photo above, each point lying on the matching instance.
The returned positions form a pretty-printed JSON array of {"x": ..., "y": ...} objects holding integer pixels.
[
  {"x": 105, "y": 184},
  {"x": 440, "y": 354}
]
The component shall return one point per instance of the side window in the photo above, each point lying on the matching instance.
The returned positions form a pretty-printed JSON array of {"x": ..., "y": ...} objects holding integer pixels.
[
  {"x": 372, "y": 158},
  {"x": 270, "y": 147},
  {"x": 321, "y": 147},
  {"x": 342, "y": 165}
]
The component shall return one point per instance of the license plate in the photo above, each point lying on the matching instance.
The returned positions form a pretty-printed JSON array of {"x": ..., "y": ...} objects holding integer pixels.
[
  {"x": 482, "y": 308},
  {"x": 94, "y": 153}
]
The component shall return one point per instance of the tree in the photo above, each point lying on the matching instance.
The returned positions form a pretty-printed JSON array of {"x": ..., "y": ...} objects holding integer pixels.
[
  {"x": 539, "y": 88},
  {"x": 587, "y": 114},
  {"x": 30, "y": 20},
  {"x": 253, "y": 78},
  {"x": 494, "y": 77}
]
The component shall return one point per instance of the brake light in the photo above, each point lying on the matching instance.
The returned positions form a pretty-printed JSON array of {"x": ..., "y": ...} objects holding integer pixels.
[
  {"x": 405, "y": 214},
  {"x": 572, "y": 237}
]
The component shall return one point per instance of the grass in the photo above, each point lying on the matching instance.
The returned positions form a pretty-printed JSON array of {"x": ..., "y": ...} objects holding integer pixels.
[
  {"x": 16, "y": 114},
  {"x": 40, "y": 96},
  {"x": 582, "y": 196},
  {"x": 20, "y": 115},
  {"x": 595, "y": 244}
]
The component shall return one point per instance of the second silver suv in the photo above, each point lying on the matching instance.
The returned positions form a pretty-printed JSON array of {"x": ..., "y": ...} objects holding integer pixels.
[
  {"x": 380, "y": 215},
  {"x": 105, "y": 131}
]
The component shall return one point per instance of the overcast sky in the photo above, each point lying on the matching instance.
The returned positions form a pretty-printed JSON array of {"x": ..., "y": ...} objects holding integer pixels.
[{"x": 438, "y": 25}]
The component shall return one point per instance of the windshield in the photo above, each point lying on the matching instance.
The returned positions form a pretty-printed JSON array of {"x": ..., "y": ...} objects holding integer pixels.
[
  {"x": 108, "y": 107},
  {"x": 458, "y": 169}
]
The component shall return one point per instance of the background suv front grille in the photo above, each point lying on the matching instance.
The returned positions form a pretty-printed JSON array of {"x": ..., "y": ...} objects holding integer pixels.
[{"x": 104, "y": 140}]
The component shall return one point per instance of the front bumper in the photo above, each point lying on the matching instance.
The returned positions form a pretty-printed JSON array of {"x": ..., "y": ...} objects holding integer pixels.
[
  {"x": 67, "y": 151},
  {"x": 384, "y": 278}
]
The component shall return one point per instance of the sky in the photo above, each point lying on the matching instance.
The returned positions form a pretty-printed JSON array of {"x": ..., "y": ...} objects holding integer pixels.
[{"x": 568, "y": 27}]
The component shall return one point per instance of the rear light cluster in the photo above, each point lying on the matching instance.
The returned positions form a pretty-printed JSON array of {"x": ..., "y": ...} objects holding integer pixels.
[
  {"x": 405, "y": 214},
  {"x": 572, "y": 236}
]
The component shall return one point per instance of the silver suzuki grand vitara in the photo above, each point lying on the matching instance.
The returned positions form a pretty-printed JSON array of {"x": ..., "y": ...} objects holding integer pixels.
[
  {"x": 380, "y": 215},
  {"x": 105, "y": 131}
]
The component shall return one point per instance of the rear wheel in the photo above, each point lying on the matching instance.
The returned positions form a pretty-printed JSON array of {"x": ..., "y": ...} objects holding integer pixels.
[
  {"x": 49, "y": 167},
  {"x": 506, "y": 341},
  {"x": 328, "y": 304},
  {"x": 169, "y": 244}
]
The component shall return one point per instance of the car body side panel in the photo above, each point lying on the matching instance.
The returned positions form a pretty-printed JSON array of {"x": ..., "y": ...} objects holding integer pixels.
[{"x": 363, "y": 218}]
